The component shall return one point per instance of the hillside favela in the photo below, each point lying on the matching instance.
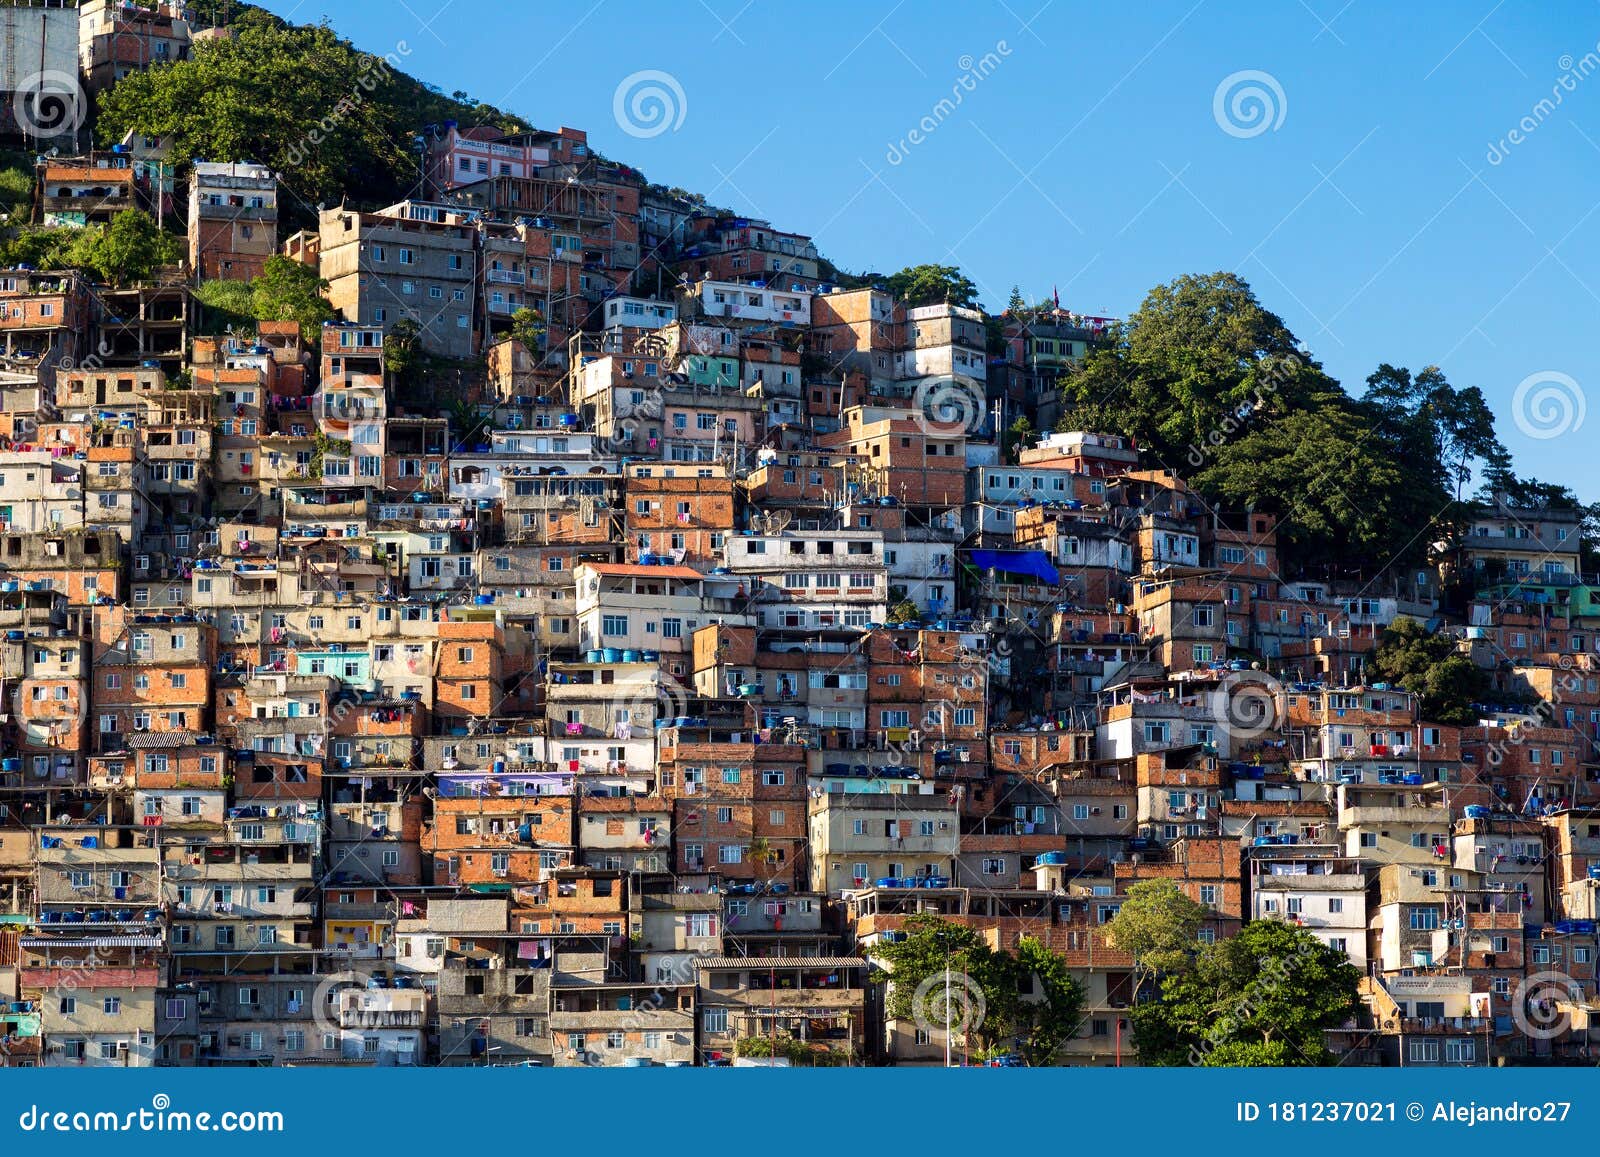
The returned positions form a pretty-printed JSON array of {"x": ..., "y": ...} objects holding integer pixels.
[{"x": 465, "y": 604}]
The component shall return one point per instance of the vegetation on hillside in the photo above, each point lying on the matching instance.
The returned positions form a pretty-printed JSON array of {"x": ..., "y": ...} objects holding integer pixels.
[
  {"x": 1215, "y": 386},
  {"x": 943, "y": 972},
  {"x": 1263, "y": 997},
  {"x": 129, "y": 249},
  {"x": 1212, "y": 383},
  {"x": 1431, "y": 667},
  {"x": 286, "y": 290},
  {"x": 335, "y": 122}
]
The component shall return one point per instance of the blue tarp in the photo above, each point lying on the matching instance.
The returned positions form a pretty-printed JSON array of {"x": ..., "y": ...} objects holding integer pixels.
[{"x": 1029, "y": 562}]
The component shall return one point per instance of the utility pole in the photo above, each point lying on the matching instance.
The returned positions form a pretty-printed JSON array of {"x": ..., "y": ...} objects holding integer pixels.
[{"x": 947, "y": 1001}]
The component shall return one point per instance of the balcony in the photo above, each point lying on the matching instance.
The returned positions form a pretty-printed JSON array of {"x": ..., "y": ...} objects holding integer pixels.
[
  {"x": 1445, "y": 1024},
  {"x": 506, "y": 277}
]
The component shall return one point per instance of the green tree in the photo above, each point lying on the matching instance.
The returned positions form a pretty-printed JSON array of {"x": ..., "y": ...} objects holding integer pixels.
[
  {"x": 1452, "y": 430},
  {"x": 1197, "y": 353},
  {"x": 931, "y": 284},
  {"x": 1159, "y": 926},
  {"x": 1212, "y": 383},
  {"x": 287, "y": 290},
  {"x": 1042, "y": 1026},
  {"x": 1016, "y": 436},
  {"x": 16, "y": 188},
  {"x": 334, "y": 122},
  {"x": 403, "y": 355},
  {"x": 1430, "y": 666},
  {"x": 527, "y": 326},
  {"x": 934, "y": 952},
  {"x": 45, "y": 249},
  {"x": 129, "y": 249},
  {"x": 1348, "y": 502},
  {"x": 904, "y": 611},
  {"x": 936, "y": 955},
  {"x": 1264, "y": 996}
]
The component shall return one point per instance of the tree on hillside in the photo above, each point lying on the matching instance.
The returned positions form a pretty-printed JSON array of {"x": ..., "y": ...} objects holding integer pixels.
[
  {"x": 1196, "y": 354},
  {"x": 1015, "y": 438},
  {"x": 528, "y": 327},
  {"x": 1262, "y": 997},
  {"x": 1159, "y": 926},
  {"x": 1450, "y": 428},
  {"x": 1044, "y": 1025},
  {"x": 1028, "y": 998},
  {"x": 42, "y": 248},
  {"x": 287, "y": 290},
  {"x": 1430, "y": 666},
  {"x": 334, "y": 122},
  {"x": 1213, "y": 384},
  {"x": 1348, "y": 502},
  {"x": 932, "y": 284},
  {"x": 129, "y": 249}
]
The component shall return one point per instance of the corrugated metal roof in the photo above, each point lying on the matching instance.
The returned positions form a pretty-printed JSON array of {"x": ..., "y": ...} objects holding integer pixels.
[
  {"x": 141, "y": 740},
  {"x": 766, "y": 962},
  {"x": 93, "y": 942}
]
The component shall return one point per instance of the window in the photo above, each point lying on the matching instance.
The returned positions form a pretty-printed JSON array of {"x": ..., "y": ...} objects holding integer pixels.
[
  {"x": 714, "y": 1020},
  {"x": 1424, "y": 1052},
  {"x": 1424, "y": 919}
]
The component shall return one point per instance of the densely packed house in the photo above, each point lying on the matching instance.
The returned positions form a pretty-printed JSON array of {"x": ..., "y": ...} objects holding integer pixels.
[{"x": 606, "y": 697}]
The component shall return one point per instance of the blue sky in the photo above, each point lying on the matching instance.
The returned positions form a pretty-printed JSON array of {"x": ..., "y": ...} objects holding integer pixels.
[{"x": 1090, "y": 156}]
